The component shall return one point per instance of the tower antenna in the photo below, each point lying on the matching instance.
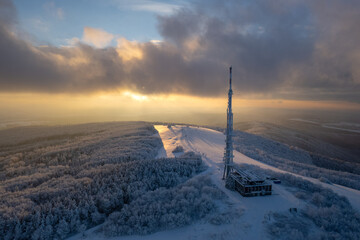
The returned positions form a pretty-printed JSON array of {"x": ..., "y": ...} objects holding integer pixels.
[{"x": 228, "y": 151}]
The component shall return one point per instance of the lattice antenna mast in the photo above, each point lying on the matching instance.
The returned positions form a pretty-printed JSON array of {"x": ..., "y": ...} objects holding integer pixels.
[{"x": 228, "y": 152}]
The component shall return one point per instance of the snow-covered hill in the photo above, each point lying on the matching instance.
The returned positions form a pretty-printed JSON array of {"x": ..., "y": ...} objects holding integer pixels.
[
  {"x": 211, "y": 143},
  {"x": 325, "y": 139},
  {"x": 251, "y": 212}
]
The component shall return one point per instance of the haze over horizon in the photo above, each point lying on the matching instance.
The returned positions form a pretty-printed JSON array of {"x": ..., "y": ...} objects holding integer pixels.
[{"x": 168, "y": 60}]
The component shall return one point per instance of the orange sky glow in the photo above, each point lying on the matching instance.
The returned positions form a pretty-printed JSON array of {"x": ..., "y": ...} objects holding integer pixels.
[{"x": 127, "y": 105}]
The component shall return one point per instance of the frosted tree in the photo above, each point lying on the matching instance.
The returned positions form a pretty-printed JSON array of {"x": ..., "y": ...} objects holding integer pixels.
[
  {"x": 62, "y": 229},
  {"x": 81, "y": 229}
]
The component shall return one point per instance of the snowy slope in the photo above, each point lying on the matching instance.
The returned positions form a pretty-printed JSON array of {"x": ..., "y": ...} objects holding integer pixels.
[{"x": 210, "y": 144}]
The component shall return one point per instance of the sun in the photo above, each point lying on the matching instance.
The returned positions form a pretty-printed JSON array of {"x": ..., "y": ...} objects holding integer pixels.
[{"x": 137, "y": 97}]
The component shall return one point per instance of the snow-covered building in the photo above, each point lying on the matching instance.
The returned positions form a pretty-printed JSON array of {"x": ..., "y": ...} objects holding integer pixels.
[{"x": 249, "y": 184}]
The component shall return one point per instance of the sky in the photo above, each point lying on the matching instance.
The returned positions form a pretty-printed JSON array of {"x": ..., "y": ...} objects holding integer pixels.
[{"x": 123, "y": 59}]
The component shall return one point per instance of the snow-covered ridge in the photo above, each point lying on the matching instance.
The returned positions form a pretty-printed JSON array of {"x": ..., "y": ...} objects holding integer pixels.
[
  {"x": 252, "y": 215},
  {"x": 107, "y": 174},
  {"x": 211, "y": 143}
]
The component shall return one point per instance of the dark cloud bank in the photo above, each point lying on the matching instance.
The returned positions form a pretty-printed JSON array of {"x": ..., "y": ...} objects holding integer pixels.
[{"x": 292, "y": 49}]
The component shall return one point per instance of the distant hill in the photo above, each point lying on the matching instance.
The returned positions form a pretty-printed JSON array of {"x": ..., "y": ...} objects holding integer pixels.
[{"x": 311, "y": 136}]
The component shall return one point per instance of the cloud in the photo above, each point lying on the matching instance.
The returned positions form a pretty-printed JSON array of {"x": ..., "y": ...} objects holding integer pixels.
[
  {"x": 72, "y": 41},
  {"x": 156, "y": 41},
  {"x": 129, "y": 50},
  {"x": 97, "y": 37},
  {"x": 283, "y": 49},
  {"x": 149, "y": 6}
]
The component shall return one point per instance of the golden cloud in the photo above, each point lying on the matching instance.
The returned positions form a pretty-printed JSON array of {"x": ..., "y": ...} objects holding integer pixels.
[
  {"x": 97, "y": 37},
  {"x": 128, "y": 50}
]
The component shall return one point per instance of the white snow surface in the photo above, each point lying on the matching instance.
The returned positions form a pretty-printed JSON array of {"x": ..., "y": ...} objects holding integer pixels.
[{"x": 210, "y": 144}]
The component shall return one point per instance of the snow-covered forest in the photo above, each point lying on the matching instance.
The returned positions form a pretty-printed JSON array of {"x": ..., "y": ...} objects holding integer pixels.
[
  {"x": 113, "y": 179},
  {"x": 165, "y": 208},
  {"x": 56, "y": 181},
  {"x": 298, "y": 161}
]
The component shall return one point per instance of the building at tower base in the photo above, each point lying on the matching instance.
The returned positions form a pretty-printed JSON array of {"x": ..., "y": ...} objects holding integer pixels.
[{"x": 248, "y": 184}]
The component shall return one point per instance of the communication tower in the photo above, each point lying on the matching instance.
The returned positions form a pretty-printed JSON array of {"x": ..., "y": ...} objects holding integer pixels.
[{"x": 228, "y": 152}]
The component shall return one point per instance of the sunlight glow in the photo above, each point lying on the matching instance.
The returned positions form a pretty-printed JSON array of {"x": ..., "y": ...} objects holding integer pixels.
[
  {"x": 126, "y": 105},
  {"x": 135, "y": 96}
]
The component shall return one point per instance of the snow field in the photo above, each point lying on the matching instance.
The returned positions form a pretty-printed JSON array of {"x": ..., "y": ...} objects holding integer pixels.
[{"x": 210, "y": 144}]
